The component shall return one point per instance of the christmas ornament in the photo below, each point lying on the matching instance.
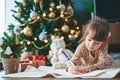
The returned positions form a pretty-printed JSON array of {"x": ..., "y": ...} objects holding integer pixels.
[
  {"x": 65, "y": 28},
  {"x": 62, "y": 6},
  {"x": 33, "y": 15},
  {"x": 36, "y": 1},
  {"x": 19, "y": 9},
  {"x": 77, "y": 33},
  {"x": 52, "y": 4},
  {"x": 52, "y": 14},
  {"x": 43, "y": 35},
  {"x": 27, "y": 31},
  {"x": 72, "y": 37},
  {"x": 69, "y": 9},
  {"x": 17, "y": 30},
  {"x": 8, "y": 50}
]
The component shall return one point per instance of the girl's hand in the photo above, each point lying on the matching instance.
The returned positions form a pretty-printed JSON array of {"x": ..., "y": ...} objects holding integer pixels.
[
  {"x": 74, "y": 69},
  {"x": 109, "y": 61},
  {"x": 86, "y": 69}
]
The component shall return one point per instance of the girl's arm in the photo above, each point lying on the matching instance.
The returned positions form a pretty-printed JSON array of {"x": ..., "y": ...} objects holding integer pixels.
[
  {"x": 75, "y": 60},
  {"x": 76, "y": 56},
  {"x": 104, "y": 60},
  {"x": 101, "y": 64}
]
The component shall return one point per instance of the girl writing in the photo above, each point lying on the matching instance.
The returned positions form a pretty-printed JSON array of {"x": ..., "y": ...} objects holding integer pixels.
[{"x": 92, "y": 53}]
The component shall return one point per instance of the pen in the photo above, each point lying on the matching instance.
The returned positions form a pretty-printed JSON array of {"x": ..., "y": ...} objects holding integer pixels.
[{"x": 68, "y": 58}]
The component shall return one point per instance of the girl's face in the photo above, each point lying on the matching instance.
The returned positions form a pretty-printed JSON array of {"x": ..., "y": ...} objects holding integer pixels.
[{"x": 91, "y": 44}]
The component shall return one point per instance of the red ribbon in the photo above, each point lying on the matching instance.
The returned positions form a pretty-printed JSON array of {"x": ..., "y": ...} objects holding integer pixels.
[
  {"x": 24, "y": 61},
  {"x": 38, "y": 58}
]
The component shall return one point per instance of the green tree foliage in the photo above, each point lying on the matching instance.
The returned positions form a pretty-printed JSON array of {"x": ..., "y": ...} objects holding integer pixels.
[{"x": 39, "y": 21}]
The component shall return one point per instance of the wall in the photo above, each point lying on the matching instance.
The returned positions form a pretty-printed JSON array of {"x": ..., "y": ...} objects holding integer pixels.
[
  {"x": 2, "y": 17},
  {"x": 80, "y": 13},
  {"x": 9, "y": 6}
]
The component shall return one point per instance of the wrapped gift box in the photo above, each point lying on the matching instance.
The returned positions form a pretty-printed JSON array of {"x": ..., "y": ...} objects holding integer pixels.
[
  {"x": 36, "y": 62},
  {"x": 23, "y": 65}
]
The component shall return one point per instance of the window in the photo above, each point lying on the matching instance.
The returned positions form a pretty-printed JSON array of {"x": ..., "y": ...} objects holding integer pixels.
[{"x": 2, "y": 17}]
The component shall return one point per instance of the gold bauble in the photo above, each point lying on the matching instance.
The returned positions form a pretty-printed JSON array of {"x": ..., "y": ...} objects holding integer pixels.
[
  {"x": 69, "y": 8},
  {"x": 52, "y": 15},
  {"x": 19, "y": 9},
  {"x": 65, "y": 28},
  {"x": 11, "y": 56},
  {"x": 36, "y": 1},
  {"x": 27, "y": 31},
  {"x": 33, "y": 15}
]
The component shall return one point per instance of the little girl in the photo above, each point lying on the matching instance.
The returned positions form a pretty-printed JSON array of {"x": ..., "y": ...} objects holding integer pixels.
[{"x": 92, "y": 52}]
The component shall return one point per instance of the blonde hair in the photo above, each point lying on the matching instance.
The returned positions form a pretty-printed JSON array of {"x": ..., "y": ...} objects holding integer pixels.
[{"x": 99, "y": 28}]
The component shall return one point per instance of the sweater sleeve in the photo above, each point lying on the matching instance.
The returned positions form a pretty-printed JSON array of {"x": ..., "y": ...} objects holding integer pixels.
[
  {"x": 104, "y": 60},
  {"x": 76, "y": 57}
]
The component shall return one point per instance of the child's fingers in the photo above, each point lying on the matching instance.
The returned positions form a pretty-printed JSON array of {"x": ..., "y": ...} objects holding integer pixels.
[
  {"x": 84, "y": 70},
  {"x": 74, "y": 70}
]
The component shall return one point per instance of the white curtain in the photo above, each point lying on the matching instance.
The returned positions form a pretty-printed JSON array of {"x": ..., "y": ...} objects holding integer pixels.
[{"x": 2, "y": 17}]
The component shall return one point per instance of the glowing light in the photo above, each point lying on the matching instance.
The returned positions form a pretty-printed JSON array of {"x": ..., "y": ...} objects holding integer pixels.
[
  {"x": 72, "y": 31},
  {"x": 56, "y": 29},
  {"x": 21, "y": 42},
  {"x": 28, "y": 42},
  {"x": 25, "y": 48},
  {"x": 44, "y": 14},
  {"x": 46, "y": 41},
  {"x": 69, "y": 36},
  {"x": 76, "y": 36},
  {"x": 62, "y": 15},
  {"x": 77, "y": 28},
  {"x": 50, "y": 9},
  {"x": 66, "y": 19},
  {"x": 62, "y": 12},
  {"x": 52, "y": 36},
  {"x": 29, "y": 19},
  {"x": 58, "y": 7},
  {"x": 38, "y": 17},
  {"x": 35, "y": 39},
  {"x": 62, "y": 37}
]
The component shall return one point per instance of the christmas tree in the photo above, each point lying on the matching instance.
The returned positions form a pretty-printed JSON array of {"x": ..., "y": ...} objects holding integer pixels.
[
  {"x": 37, "y": 21},
  {"x": 10, "y": 47}
]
